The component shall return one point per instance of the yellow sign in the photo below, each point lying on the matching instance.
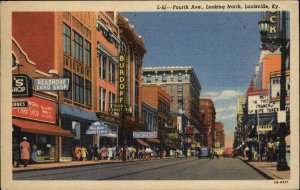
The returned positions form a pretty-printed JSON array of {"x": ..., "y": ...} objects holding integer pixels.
[
  {"x": 261, "y": 128},
  {"x": 122, "y": 80}
]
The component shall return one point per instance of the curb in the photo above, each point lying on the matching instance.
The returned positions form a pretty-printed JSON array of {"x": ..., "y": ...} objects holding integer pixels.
[
  {"x": 267, "y": 176},
  {"x": 63, "y": 166},
  {"x": 79, "y": 165}
]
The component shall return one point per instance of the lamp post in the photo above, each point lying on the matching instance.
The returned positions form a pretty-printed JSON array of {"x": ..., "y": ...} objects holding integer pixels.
[{"x": 264, "y": 27}]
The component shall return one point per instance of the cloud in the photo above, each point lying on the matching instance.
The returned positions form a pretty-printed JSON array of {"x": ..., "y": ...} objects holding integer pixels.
[
  {"x": 226, "y": 117},
  {"x": 230, "y": 108},
  {"x": 225, "y": 94}
]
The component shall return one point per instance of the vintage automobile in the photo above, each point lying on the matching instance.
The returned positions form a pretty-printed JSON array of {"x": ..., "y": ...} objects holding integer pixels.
[
  {"x": 229, "y": 152},
  {"x": 204, "y": 152},
  {"x": 219, "y": 151}
]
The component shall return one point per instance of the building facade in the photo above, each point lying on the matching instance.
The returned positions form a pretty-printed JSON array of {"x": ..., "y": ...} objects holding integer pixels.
[
  {"x": 183, "y": 86},
  {"x": 84, "y": 47},
  {"x": 207, "y": 118},
  {"x": 218, "y": 135}
]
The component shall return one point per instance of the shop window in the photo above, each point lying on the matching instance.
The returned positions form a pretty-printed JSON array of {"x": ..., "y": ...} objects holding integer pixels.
[
  {"x": 87, "y": 51},
  {"x": 67, "y": 39},
  {"x": 78, "y": 47}
]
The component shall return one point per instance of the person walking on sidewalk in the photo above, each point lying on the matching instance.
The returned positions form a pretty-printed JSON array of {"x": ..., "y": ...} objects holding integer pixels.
[
  {"x": 90, "y": 152},
  {"x": 77, "y": 152},
  {"x": 109, "y": 152},
  {"x": 25, "y": 151},
  {"x": 34, "y": 153},
  {"x": 270, "y": 149},
  {"x": 16, "y": 153},
  {"x": 95, "y": 153},
  {"x": 103, "y": 152},
  {"x": 84, "y": 153}
]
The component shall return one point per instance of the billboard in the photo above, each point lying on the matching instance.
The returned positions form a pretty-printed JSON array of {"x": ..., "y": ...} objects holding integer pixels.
[{"x": 38, "y": 109}]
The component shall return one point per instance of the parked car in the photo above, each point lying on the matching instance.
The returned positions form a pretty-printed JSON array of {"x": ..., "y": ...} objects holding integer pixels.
[
  {"x": 219, "y": 151},
  {"x": 204, "y": 152},
  {"x": 229, "y": 152}
]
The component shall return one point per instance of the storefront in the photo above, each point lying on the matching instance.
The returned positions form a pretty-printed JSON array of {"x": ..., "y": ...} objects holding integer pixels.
[
  {"x": 37, "y": 122},
  {"x": 112, "y": 122},
  {"x": 76, "y": 121}
]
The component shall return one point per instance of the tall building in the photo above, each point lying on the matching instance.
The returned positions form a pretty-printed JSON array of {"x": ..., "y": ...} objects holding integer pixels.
[
  {"x": 184, "y": 88},
  {"x": 84, "y": 47},
  {"x": 207, "y": 118},
  {"x": 218, "y": 135}
]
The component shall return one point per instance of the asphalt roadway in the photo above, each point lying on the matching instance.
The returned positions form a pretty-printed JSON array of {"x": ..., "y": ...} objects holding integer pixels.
[{"x": 163, "y": 169}]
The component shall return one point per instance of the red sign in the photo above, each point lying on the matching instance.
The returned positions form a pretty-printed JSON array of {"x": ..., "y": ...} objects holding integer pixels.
[
  {"x": 38, "y": 109},
  {"x": 189, "y": 130}
]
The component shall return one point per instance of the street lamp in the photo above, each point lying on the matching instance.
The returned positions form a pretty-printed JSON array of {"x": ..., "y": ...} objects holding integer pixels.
[{"x": 282, "y": 42}]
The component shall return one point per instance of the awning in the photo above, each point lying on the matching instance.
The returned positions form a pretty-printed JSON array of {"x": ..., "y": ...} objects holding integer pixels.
[
  {"x": 171, "y": 145},
  {"x": 153, "y": 140},
  {"x": 142, "y": 142},
  {"x": 77, "y": 113},
  {"x": 40, "y": 128}
]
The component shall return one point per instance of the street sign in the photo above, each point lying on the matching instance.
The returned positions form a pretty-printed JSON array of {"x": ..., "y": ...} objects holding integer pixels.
[
  {"x": 21, "y": 86},
  {"x": 20, "y": 104},
  {"x": 119, "y": 108},
  {"x": 262, "y": 128},
  {"x": 51, "y": 84},
  {"x": 98, "y": 127},
  {"x": 144, "y": 134}
]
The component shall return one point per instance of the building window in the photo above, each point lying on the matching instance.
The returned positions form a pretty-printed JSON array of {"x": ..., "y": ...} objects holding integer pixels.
[
  {"x": 180, "y": 88},
  {"x": 164, "y": 78},
  {"x": 136, "y": 66},
  {"x": 88, "y": 93},
  {"x": 112, "y": 72},
  {"x": 103, "y": 60},
  {"x": 78, "y": 47},
  {"x": 160, "y": 106},
  {"x": 136, "y": 113},
  {"x": 172, "y": 98},
  {"x": 154, "y": 123},
  {"x": 87, "y": 54},
  {"x": 148, "y": 78},
  {"x": 145, "y": 119},
  {"x": 179, "y": 78},
  {"x": 150, "y": 124},
  {"x": 68, "y": 93},
  {"x": 136, "y": 90},
  {"x": 102, "y": 99},
  {"x": 111, "y": 99},
  {"x": 78, "y": 89},
  {"x": 67, "y": 39}
]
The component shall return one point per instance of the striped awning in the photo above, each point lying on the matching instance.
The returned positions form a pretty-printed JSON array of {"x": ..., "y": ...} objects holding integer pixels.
[
  {"x": 153, "y": 140},
  {"x": 143, "y": 143}
]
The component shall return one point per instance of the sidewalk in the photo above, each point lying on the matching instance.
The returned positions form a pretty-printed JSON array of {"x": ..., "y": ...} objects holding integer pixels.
[
  {"x": 269, "y": 170},
  {"x": 52, "y": 165}
]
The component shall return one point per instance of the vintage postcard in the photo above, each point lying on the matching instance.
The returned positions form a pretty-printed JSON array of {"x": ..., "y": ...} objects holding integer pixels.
[{"x": 150, "y": 95}]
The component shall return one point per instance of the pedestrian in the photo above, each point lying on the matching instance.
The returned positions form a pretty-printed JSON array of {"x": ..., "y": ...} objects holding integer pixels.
[
  {"x": 114, "y": 152},
  {"x": 95, "y": 153},
  {"x": 34, "y": 153},
  {"x": 246, "y": 152},
  {"x": 270, "y": 151},
  {"x": 84, "y": 153},
  {"x": 109, "y": 152},
  {"x": 77, "y": 152},
  {"x": 103, "y": 152},
  {"x": 25, "y": 151},
  {"x": 211, "y": 153},
  {"x": 90, "y": 152},
  {"x": 276, "y": 145},
  {"x": 129, "y": 152},
  {"x": 16, "y": 154}
]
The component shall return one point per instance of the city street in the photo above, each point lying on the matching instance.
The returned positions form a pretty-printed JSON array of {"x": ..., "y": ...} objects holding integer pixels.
[{"x": 163, "y": 169}]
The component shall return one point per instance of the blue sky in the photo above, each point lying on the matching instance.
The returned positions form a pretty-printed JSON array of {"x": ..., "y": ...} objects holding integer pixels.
[{"x": 222, "y": 48}]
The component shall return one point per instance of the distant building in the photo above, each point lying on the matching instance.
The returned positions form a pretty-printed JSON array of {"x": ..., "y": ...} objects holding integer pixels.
[
  {"x": 183, "y": 86},
  {"x": 207, "y": 119},
  {"x": 218, "y": 137}
]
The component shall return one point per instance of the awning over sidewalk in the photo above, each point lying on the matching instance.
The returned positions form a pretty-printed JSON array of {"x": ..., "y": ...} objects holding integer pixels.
[
  {"x": 153, "y": 140},
  {"x": 142, "y": 142},
  {"x": 40, "y": 128}
]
